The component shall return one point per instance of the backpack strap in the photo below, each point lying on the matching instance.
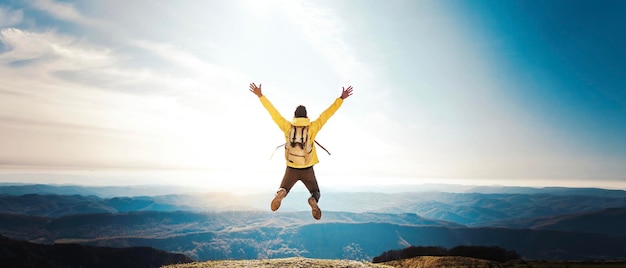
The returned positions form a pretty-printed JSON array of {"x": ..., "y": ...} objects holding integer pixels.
[
  {"x": 293, "y": 135},
  {"x": 282, "y": 145},
  {"x": 303, "y": 142},
  {"x": 322, "y": 147}
]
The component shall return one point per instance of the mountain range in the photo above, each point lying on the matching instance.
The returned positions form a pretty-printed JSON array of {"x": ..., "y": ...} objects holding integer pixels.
[{"x": 547, "y": 223}]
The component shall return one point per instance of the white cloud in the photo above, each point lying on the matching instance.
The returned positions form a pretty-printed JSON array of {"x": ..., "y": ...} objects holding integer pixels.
[
  {"x": 188, "y": 64},
  {"x": 10, "y": 17},
  {"x": 81, "y": 99},
  {"x": 55, "y": 57},
  {"x": 63, "y": 11},
  {"x": 48, "y": 108},
  {"x": 56, "y": 52}
]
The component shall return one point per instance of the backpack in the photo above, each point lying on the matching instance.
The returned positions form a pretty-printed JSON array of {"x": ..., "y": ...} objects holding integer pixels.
[{"x": 299, "y": 149}]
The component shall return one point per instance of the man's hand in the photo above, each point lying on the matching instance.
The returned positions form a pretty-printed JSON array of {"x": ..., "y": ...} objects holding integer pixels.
[
  {"x": 256, "y": 90},
  {"x": 347, "y": 92}
]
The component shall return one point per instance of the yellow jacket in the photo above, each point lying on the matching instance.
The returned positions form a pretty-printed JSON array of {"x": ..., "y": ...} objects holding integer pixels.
[{"x": 314, "y": 127}]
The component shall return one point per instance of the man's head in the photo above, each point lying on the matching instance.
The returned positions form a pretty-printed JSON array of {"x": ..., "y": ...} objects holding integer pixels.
[{"x": 300, "y": 112}]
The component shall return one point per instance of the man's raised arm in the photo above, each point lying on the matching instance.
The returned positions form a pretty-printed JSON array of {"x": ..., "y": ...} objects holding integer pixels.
[
  {"x": 282, "y": 123},
  {"x": 345, "y": 93}
]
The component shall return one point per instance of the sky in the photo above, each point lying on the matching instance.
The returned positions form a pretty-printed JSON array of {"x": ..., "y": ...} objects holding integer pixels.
[{"x": 520, "y": 93}]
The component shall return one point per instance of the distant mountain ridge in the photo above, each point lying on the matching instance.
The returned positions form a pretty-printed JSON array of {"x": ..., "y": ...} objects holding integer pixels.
[
  {"x": 471, "y": 209},
  {"x": 355, "y": 225},
  {"x": 100, "y": 191},
  {"x": 548, "y": 190},
  {"x": 154, "y": 190}
]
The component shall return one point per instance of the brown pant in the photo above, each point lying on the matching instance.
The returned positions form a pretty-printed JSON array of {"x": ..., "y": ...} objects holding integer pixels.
[{"x": 306, "y": 175}]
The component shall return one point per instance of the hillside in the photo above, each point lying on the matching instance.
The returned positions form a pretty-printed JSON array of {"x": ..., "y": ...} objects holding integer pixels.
[
  {"x": 417, "y": 262},
  {"x": 463, "y": 262},
  {"x": 608, "y": 221},
  {"x": 14, "y": 253},
  {"x": 443, "y": 261},
  {"x": 284, "y": 262},
  {"x": 422, "y": 262}
]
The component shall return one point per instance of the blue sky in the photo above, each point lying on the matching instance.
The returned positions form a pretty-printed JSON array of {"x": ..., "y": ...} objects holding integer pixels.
[{"x": 472, "y": 92}]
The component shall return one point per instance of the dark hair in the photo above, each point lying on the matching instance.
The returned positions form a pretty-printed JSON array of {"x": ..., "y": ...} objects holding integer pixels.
[{"x": 300, "y": 111}]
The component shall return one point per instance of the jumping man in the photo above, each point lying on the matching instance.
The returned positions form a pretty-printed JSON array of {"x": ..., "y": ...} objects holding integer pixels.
[{"x": 300, "y": 153}]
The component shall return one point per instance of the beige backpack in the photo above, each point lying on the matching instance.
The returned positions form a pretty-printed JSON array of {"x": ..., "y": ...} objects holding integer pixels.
[{"x": 299, "y": 149}]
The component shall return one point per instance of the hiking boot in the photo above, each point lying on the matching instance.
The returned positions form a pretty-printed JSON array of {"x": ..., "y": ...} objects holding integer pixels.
[
  {"x": 315, "y": 210},
  {"x": 280, "y": 194}
]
